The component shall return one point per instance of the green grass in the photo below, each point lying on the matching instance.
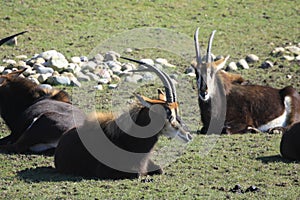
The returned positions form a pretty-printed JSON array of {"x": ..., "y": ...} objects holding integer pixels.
[{"x": 75, "y": 28}]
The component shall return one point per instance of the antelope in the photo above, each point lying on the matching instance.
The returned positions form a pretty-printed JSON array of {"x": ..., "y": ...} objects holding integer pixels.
[
  {"x": 37, "y": 117},
  {"x": 124, "y": 153},
  {"x": 240, "y": 108},
  {"x": 290, "y": 143},
  {"x": 4, "y": 40}
]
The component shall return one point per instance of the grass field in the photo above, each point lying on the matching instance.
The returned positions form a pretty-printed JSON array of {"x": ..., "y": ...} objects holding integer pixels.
[{"x": 75, "y": 28}]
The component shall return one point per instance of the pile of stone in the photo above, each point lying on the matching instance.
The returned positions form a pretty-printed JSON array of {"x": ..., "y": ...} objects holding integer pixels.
[
  {"x": 51, "y": 67},
  {"x": 287, "y": 53}
]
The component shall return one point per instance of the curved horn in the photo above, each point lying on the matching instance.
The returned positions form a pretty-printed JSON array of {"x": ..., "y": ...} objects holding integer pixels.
[
  {"x": 197, "y": 48},
  {"x": 208, "y": 53},
  {"x": 2, "y": 41},
  {"x": 161, "y": 75},
  {"x": 172, "y": 86}
]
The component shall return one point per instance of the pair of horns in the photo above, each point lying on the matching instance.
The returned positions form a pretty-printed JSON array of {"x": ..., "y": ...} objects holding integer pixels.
[
  {"x": 2, "y": 41},
  {"x": 165, "y": 78},
  {"x": 208, "y": 52}
]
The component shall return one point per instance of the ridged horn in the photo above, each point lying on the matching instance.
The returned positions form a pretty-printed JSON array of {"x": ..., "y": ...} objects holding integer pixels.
[
  {"x": 208, "y": 53},
  {"x": 2, "y": 41},
  {"x": 162, "y": 76}
]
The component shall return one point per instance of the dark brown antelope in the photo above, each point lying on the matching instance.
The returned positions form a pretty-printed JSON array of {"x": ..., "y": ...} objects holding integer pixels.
[
  {"x": 290, "y": 143},
  {"x": 37, "y": 117},
  {"x": 238, "y": 108},
  {"x": 122, "y": 152},
  {"x": 4, "y": 40}
]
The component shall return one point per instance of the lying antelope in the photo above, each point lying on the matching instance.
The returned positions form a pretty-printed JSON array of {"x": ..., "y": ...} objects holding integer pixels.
[
  {"x": 129, "y": 153},
  {"x": 290, "y": 143},
  {"x": 37, "y": 117},
  {"x": 4, "y": 40},
  {"x": 243, "y": 107}
]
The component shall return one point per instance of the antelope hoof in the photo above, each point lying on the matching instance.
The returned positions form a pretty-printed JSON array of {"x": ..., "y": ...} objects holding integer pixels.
[
  {"x": 253, "y": 129},
  {"x": 276, "y": 130}
]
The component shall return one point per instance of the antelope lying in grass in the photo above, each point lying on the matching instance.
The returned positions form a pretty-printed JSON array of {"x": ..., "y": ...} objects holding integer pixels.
[
  {"x": 128, "y": 157},
  {"x": 37, "y": 117},
  {"x": 242, "y": 107},
  {"x": 4, "y": 40},
  {"x": 290, "y": 143}
]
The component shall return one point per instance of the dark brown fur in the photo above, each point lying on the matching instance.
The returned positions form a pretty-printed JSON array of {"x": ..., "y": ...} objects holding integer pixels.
[
  {"x": 72, "y": 157},
  {"x": 251, "y": 106},
  {"x": 34, "y": 115},
  {"x": 290, "y": 143}
]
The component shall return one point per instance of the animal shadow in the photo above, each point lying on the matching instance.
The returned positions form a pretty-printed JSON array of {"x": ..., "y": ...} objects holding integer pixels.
[
  {"x": 273, "y": 159},
  {"x": 45, "y": 174}
]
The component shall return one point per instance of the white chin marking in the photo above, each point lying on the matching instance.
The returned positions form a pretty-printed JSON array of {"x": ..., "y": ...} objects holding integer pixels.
[{"x": 280, "y": 121}]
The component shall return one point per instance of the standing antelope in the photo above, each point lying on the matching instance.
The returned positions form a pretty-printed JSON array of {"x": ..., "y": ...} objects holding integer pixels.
[
  {"x": 131, "y": 148},
  {"x": 290, "y": 143},
  {"x": 238, "y": 108}
]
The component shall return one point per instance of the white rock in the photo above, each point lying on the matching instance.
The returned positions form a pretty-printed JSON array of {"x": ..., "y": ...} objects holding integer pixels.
[
  {"x": 104, "y": 81},
  {"x": 111, "y": 56},
  {"x": 251, "y": 58},
  {"x": 6, "y": 71},
  {"x": 289, "y": 76},
  {"x": 58, "y": 80},
  {"x": 293, "y": 49},
  {"x": 90, "y": 66},
  {"x": 147, "y": 61},
  {"x": 98, "y": 87},
  {"x": 164, "y": 62},
  {"x": 135, "y": 78},
  {"x": 47, "y": 55},
  {"x": 33, "y": 79},
  {"x": 297, "y": 58},
  {"x": 58, "y": 63},
  {"x": 98, "y": 58},
  {"x": 288, "y": 58},
  {"x": 278, "y": 51},
  {"x": 112, "y": 86},
  {"x": 39, "y": 60},
  {"x": 45, "y": 86},
  {"x": 267, "y": 64},
  {"x": 2, "y": 68},
  {"x": 21, "y": 57},
  {"x": 243, "y": 64},
  {"x": 9, "y": 61},
  {"x": 82, "y": 77},
  {"x": 75, "y": 59},
  {"x": 191, "y": 74},
  {"x": 93, "y": 77},
  {"x": 43, "y": 77},
  {"x": 232, "y": 66}
]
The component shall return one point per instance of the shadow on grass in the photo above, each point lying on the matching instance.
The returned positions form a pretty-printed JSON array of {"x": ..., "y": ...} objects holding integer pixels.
[
  {"x": 45, "y": 174},
  {"x": 274, "y": 158}
]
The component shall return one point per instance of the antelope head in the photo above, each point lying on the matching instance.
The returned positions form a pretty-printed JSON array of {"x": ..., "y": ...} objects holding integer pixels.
[
  {"x": 206, "y": 71},
  {"x": 174, "y": 126}
]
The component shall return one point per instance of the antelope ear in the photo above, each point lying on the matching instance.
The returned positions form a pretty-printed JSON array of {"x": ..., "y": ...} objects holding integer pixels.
[
  {"x": 16, "y": 73},
  {"x": 220, "y": 64},
  {"x": 143, "y": 101},
  {"x": 161, "y": 95}
]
